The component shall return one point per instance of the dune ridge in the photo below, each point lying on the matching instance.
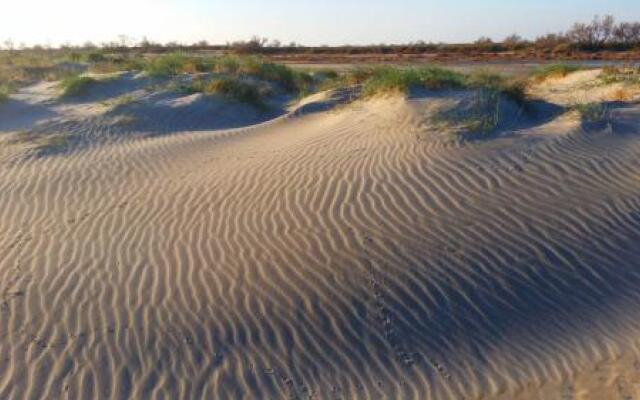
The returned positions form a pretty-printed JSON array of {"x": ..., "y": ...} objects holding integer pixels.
[{"x": 354, "y": 253}]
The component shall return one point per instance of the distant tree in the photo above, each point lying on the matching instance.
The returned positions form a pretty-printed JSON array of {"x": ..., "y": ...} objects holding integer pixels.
[
  {"x": 8, "y": 44},
  {"x": 254, "y": 45},
  {"x": 513, "y": 42},
  {"x": 484, "y": 42},
  {"x": 124, "y": 41}
]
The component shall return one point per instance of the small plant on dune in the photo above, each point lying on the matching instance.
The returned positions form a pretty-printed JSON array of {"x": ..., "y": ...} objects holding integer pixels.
[
  {"x": 4, "y": 93},
  {"x": 165, "y": 66},
  {"x": 42, "y": 142},
  {"x": 290, "y": 80},
  {"x": 175, "y": 64},
  {"x": 554, "y": 71},
  {"x": 626, "y": 75},
  {"x": 592, "y": 112},
  {"x": 386, "y": 80},
  {"x": 197, "y": 85},
  {"x": 235, "y": 89},
  {"x": 441, "y": 78},
  {"x": 227, "y": 65},
  {"x": 120, "y": 64},
  {"x": 359, "y": 76},
  {"x": 94, "y": 57},
  {"x": 326, "y": 73},
  {"x": 259, "y": 68},
  {"x": 480, "y": 115},
  {"x": 621, "y": 94},
  {"x": 514, "y": 89},
  {"x": 76, "y": 85},
  {"x": 389, "y": 80}
]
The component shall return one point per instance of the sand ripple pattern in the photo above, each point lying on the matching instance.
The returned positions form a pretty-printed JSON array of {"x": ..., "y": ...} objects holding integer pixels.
[{"x": 336, "y": 255}]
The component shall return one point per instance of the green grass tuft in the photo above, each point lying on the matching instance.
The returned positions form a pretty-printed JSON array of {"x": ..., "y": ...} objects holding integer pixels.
[
  {"x": 386, "y": 80},
  {"x": 165, "y": 66},
  {"x": 554, "y": 71},
  {"x": 235, "y": 89},
  {"x": 76, "y": 85},
  {"x": 173, "y": 64},
  {"x": 626, "y": 75},
  {"x": 592, "y": 112},
  {"x": 514, "y": 89},
  {"x": 4, "y": 93}
]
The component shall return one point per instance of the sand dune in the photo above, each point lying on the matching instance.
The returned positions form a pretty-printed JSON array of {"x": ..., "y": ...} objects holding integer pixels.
[{"x": 348, "y": 251}]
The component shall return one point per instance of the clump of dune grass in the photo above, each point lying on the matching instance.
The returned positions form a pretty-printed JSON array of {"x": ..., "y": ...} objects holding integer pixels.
[
  {"x": 512, "y": 88},
  {"x": 478, "y": 115},
  {"x": 387, "y": 80},
  {"x": 621, "y": 74},
  {"x": 42, "y": 142},
  {"x": 229, "y": 87},
  {"x": 76, "y": 85},
  {"x": 554, "y": 71},
  {"x": 175, "y": 64},
  {"x": 165, "y": 66},
  {"x": 481, "y": 113},
  {"x": 237, "y": 90},
  {"x": 592, "y": 112},
  {"x": 326, "y": 73},
  {"x": 119, "y": 64},
  {"x": 621, "y": 94},
  {"x": 262, "y": 69},
  {"x": 4, "y": 93},
  {"x": 227, "y": 65}
]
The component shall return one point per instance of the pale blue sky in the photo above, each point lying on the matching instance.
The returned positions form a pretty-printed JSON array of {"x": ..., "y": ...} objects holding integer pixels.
[{"x": 309, "y": 22}]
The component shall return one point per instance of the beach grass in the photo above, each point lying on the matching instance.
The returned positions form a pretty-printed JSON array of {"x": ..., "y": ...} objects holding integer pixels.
[{"x": 76, "y": 85}]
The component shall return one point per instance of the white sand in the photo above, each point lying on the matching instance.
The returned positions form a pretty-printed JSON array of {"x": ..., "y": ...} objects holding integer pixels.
[{"x": 352, "y": 253}]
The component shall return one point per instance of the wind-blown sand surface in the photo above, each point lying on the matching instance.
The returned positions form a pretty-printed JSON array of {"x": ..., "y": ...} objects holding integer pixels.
[{"x": 350, "y": 253}]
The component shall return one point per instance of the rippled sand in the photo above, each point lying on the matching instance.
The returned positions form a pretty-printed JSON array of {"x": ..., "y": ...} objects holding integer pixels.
[{"x": 349, "y": 253}]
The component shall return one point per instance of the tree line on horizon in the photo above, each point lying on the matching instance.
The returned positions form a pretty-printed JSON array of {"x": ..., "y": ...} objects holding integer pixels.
[{"x": 602, "y": 33}]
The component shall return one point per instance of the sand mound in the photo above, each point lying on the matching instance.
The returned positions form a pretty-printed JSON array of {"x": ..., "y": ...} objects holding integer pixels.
[
  {"x": 585, "y": 87},
  {"x": 346, "y": 254}
]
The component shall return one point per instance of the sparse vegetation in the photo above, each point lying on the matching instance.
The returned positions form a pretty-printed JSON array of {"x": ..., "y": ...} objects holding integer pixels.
[
  {"x": 384, "y": 80},
  {"x": 387, "y": 79},
  {"x": 326, "y": 73},
  {"x": 592, "y": 112},
  {"x": 4, "y": 93},
  {"x": 230, "y": 87},
  {"x": 260, "y": 68},
  {"x": 235, "y": 89},
  {"x": 627, "y": 75},
  {"x": 513, "y": 88},
  {"x": 76, "y": 85},
  {"x": 42, "y": 142},
  {"x": 554, "y": 71},
  {"x": 166, "y": 66},
  {"x": 478, "y": 115}
]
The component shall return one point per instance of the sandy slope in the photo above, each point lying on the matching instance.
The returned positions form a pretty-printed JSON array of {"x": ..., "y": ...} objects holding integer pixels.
[{"x": 353, "y": 253}]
